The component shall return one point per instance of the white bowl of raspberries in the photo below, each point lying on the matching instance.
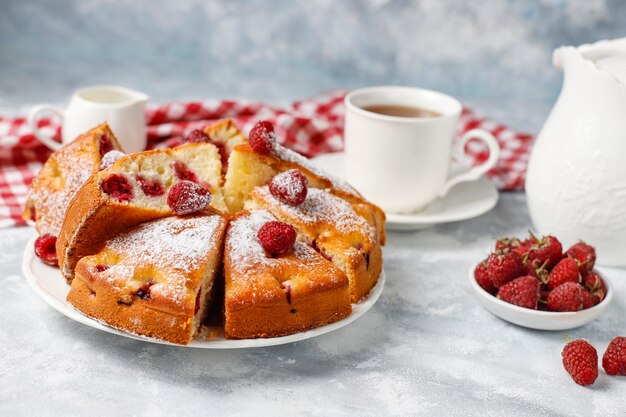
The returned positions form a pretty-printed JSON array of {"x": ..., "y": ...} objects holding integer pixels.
[{"x": 533, "y": 283}]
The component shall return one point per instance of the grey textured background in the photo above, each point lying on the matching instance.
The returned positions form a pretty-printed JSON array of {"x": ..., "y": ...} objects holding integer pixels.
[{"x": 495, "y": 53}]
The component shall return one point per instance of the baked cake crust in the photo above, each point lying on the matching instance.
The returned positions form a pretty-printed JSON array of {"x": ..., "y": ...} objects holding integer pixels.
[
  {"x": 65, "y": 171},
  {"x": 170, "y": 260},
  {"x": 275, "y": 296}
]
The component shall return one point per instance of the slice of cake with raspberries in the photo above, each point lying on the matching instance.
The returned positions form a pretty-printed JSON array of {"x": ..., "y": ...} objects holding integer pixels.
[
  {"x": 65, "y": 171},
  {"x": 133, "y": 190},
  {"x": 155, "y": 279},
  {"x": 255, "y": 163},
  {"x": 329, "y": 224},
  {"x": 275, "y": 285}
]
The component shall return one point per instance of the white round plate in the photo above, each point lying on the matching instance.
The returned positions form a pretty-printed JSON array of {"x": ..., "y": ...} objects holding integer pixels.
[
  {"x": 536, "y": 319},
  {"x": 464, "y": 201},
  {"x": 50, "y": 285}
]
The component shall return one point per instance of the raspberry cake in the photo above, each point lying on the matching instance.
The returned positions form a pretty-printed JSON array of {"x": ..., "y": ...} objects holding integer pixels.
[
  {"x": 331, "y": 226},
  {"x": 144, "y": 237},
  {"x": 155, "y": 279},
  {"x": 131, "y": 191},
  {"x": 271, "y": 295},
  {"x": 65, "y": 171}
]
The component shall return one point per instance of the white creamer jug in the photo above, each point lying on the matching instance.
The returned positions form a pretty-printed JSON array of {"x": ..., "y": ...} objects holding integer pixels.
[
  {"x": 576, "y": 179},
  {"x": 121, "y": 108}
]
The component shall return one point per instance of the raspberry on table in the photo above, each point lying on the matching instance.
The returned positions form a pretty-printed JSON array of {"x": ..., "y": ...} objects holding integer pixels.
[
  {"x": 277, "y": 238},
  {"x": 187, "y": 197},
  {"x": 289, "y": 187},
  {"x": 614, "y": 358},
  {"x": 45, "y": 249},
  {"x": 580, "y": 360},
  {"x": 262, "y": 137}
]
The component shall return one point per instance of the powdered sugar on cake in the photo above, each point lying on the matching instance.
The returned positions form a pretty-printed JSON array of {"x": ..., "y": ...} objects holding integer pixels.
[
  {"x": 320, "y": 206},
  {"x": 169, "y": 248},
  {"x": 243, "y": 245},
  {"x": 291, "y": 156}
]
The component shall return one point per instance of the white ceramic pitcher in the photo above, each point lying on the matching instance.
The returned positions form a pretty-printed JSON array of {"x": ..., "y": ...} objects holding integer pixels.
[
  {"x": 122, "y": 108},
  {"x": 576, "y": 179}
]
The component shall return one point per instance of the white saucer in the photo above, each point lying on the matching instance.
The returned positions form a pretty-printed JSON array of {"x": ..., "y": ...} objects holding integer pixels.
[
  {"x": 465, "y": 201},
  {"x": 48, "y": 284}
]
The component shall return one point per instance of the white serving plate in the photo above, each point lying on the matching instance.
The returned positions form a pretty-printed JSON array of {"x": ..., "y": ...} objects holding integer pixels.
[
  {"x": 49, "y": 284},
  {"x": 540, "y": 320}
]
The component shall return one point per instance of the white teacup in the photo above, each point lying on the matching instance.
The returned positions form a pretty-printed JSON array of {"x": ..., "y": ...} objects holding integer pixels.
[
  {"x": 403, "y": 163},
  {"x": 121, "y": 108}
]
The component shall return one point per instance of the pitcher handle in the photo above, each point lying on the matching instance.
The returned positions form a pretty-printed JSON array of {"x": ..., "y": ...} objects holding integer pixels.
[
  {"x": 476, "y": 172},
  {"x": 32, "y": 122}
]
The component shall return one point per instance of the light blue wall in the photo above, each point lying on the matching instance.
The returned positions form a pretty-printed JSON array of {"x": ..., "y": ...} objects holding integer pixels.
[{"x": 485, "y": 51}]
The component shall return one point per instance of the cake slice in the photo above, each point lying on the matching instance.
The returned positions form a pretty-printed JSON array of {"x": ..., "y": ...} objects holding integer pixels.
[
  {"x": 155, "y": 279},
  {"x": 248, "y": 169},
  {"x": 65, "y": 171},
  {"x": 269, "y": 296},
  {"x": 131, "y": 191},
  {"x": 333, "y": 227}
]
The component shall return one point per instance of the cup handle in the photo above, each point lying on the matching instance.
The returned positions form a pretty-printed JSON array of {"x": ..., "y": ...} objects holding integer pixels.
[
  {"x": 32, "y": 121},
  {"x": 476, "y": 172}
]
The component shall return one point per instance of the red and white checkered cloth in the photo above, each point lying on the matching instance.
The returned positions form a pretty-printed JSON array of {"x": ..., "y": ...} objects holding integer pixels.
[{"x": 311, "y": 127}]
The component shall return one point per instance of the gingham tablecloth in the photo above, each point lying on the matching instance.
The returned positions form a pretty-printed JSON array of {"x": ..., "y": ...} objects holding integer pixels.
[{"x": 311, "y": 127}]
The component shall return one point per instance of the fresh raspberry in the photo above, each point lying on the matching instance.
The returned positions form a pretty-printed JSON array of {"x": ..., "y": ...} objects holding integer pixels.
[
  {"x": 596, "y": 286},
  {"x": 277, "y": 238},
  {"x": 150, "y": 188},
  {"x": 566, "y": 297},
  {"x": 585, "y": 255},
  {"x": 110, "y": 158},
  {"x": 289, "y": 187},
  {"x": 197, "y": 136},
  {"x": 104, "y": 144},
  {"x": 614, "y": 358},
  {"x": 262, "y": 137},
  {"x": 504, "y": 267},
  {"x": 507, "y": 243},
  {"x": 183, "y": 172},
  {"x": 533, "y": 268},
  {"x": 117, "y": 187},
  {"x": 144, "y": 291},
  {"x": 482, "y": 277},
  {"x": 546, "y": 250},
  {"x": 45, "y": 249},
  {"x": 187, "y": 197},
  {"x": 565, "y": 271},
  {"x": 522, "y": 291},
  {"x": 587, "y": 299},
  {"x": 580, "y": 360}
]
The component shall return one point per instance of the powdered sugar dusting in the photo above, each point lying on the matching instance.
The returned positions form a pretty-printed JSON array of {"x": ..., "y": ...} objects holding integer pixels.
[
  {"x": 110, "y": 158},
  {"x": 291, "y": 156},
  {"x": 244, "y": 247},
  {"x": 320, "y": 206},
  {"x": 171, "y": 248}
]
